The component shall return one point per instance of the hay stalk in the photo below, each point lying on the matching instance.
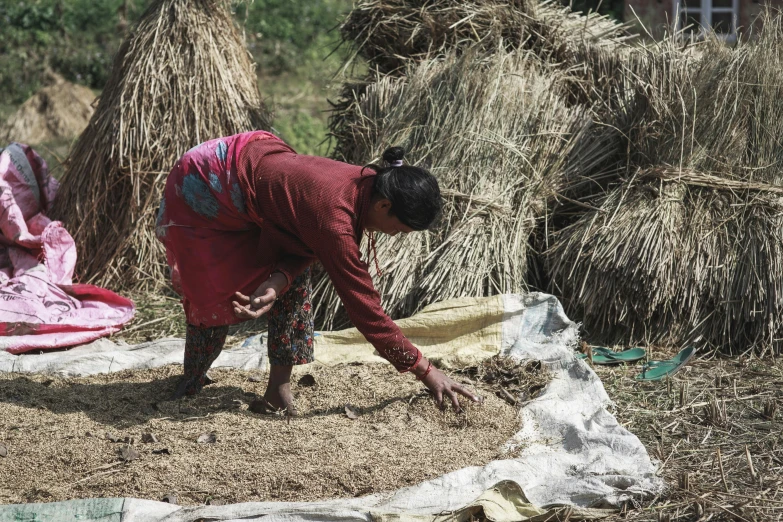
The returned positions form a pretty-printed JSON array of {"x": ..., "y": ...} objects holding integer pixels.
[{"x": 181, "y": 77}]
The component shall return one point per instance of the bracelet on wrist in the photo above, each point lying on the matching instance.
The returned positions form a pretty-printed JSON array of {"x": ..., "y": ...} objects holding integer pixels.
[
  {"x": 426, "y": 372},
  {"x": 285, "y": 276}
]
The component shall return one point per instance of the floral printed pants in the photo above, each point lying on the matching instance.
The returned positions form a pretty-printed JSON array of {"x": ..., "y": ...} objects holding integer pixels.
[
  {"x": 289, "y": 342},
  {"x": 291, "y": 325}
]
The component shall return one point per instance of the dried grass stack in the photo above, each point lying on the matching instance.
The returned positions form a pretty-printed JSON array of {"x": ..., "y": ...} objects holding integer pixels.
[
  {"x": 590, "y": 48},
  {"x": 390, "y": 34},
  {"x": 589, "y": 54},
  {"x": 689, "y": 247},
  {"x": 496, "y": 132},
  {"x": 183, "y": 76}
]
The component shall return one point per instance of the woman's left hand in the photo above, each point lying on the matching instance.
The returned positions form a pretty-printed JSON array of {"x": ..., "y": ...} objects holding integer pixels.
[{"x": 263, "y": 298}]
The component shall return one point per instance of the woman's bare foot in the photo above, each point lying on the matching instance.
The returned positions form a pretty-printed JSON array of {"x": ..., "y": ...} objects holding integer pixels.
[
  {"x": 281, "y": 397},
  {"x": 278, "y": 396},
  {"x": 188, "y": 386}
]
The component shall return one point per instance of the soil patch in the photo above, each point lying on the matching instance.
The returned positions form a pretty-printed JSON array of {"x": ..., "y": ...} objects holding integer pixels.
[
  {"x": 115, "y": 435},
  {"x": 715, "y": 427},
  {"x": 60, "y": 110}
]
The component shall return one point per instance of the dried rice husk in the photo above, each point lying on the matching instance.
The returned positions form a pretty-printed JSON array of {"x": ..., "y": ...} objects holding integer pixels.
[{"x": 64, "y": 435}]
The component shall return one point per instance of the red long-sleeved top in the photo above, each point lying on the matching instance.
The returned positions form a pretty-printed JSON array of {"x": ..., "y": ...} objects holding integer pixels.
[
  {"x": 238, "y": 208},
  {"x": 315, "y": 208}
]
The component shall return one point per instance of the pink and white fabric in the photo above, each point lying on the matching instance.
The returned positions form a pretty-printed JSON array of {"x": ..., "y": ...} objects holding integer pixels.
[{"x": 40, "y": 307}]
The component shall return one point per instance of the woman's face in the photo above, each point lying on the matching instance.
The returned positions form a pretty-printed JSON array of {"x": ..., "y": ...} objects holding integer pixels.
[{"x": 380, "y": 219}]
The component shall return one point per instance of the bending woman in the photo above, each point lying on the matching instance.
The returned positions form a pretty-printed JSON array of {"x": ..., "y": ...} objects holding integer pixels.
[{"x": 243, "y": 217}]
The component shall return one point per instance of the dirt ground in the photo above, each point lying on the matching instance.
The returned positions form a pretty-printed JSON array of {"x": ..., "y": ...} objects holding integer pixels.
[
  {"x": 715, "y": 429},
  {"x": 85, "y": 437}
]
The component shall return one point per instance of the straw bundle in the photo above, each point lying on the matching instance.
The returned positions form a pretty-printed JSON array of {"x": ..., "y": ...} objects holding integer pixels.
[
  {"x": 591, "y": 49},
  {"x": 688, "y": 247},
  {"x": 587, "y": 53},
  {"x": 392, "y": 33},
  {"x": 677, "y": 258},
  {"x": 495, "y": 131},
  {"x": 182, "y": 76}
]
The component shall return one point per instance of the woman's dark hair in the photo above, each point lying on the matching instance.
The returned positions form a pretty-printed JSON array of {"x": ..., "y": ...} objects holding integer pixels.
[{"x": 413, "y": 191}]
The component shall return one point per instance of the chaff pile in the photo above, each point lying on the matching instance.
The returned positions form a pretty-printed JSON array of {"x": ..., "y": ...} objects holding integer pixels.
[
  {"x": 59, "y": 110},
  {"x": 716, "y": 427},
  {"x": 688, "y": 247},
  {"x": 182, "y": 76}
]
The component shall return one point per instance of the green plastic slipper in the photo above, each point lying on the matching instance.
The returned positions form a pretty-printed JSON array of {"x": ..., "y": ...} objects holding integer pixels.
[
  {"x": 657, "y": 370},
  {"x": 602, "y": 355}
]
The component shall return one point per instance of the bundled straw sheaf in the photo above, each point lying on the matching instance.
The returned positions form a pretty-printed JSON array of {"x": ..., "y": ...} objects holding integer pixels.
[
  {"x": 496, "y": 132},
  {"x": 688, "y": 247},
  {"x": 390, "y": 34},
  {"x": 182, "y": 76}
]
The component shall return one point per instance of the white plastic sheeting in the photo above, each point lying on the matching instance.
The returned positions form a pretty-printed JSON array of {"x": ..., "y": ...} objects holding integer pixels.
[{"x": 573, "y": 451}]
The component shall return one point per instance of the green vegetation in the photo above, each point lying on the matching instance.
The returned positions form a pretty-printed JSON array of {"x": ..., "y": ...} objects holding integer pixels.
[
  {"x": 293, "y": 43},
  {"x": 75, "y": 38},
  {"x": 284, "y": 35}
]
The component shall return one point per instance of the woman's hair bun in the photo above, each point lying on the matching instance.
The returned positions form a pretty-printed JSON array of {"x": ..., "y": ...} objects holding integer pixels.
[{"x": 393, "y": 154}]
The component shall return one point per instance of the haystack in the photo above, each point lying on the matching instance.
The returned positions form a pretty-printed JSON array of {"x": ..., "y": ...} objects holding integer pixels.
[
  {"x": 60, "y": 110},
  {"x": 390, "y": 34},
  {"x": 501, "y": 147},
  {"x": 688, "y": 247},
  {"x": 496, "y": 132},
  {"x": 183, "y": 76}
]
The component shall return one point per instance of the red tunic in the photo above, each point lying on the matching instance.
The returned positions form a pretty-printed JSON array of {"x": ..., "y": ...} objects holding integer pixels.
[{"x": 238, "y": 208}]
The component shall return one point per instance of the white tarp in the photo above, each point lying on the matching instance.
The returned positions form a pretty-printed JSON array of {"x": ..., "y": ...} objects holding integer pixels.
[{"x": 574, "y": 451}]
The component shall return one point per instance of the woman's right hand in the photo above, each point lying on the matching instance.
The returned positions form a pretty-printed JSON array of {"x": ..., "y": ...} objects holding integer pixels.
[
  {"x": 256, "y": 305},
  {"x": 442, "y": 386}
]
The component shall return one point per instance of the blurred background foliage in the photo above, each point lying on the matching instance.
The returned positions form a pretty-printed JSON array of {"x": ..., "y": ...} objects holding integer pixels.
[
  {"x": 75, "y": 38},
  {"x": 282, "y": 34}
]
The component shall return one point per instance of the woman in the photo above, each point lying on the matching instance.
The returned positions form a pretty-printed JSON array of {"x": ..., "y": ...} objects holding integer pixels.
[{"x": 243, "y": 217}]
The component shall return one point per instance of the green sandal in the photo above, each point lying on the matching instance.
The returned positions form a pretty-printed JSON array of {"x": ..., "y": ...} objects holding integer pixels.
[
  {"x": 602, "y": 355},
  {"x": 657, "y": 370}
]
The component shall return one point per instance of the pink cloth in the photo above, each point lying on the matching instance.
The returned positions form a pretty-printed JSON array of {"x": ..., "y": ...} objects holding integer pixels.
[{"x": 40, "y": 307}]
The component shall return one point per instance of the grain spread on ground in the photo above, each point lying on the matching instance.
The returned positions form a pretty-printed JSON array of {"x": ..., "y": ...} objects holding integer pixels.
[{"x": 70, "y": 438}]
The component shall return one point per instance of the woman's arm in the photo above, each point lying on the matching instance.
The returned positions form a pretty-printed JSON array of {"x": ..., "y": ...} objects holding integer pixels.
[
  {"x": 260, "y": 302},
  {"x": 291, "y": 267},
  {"x": 339, "y": 254}
]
